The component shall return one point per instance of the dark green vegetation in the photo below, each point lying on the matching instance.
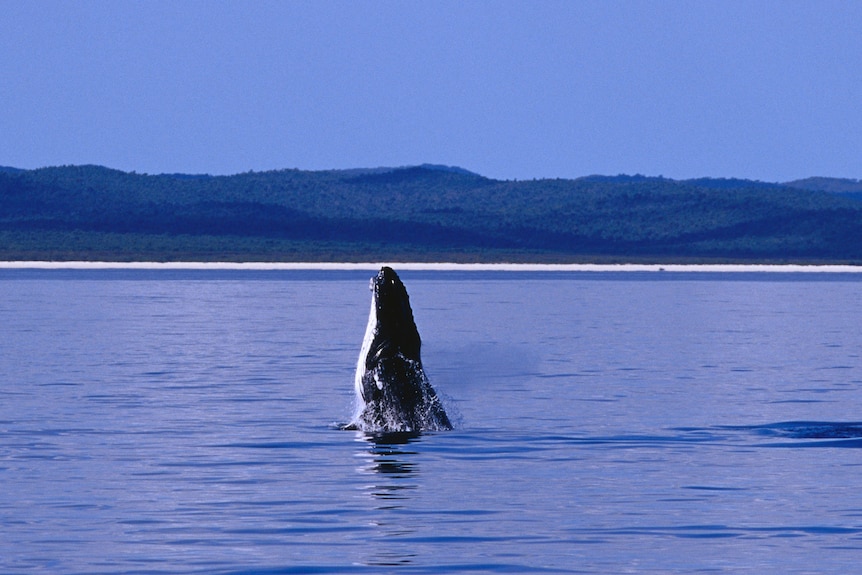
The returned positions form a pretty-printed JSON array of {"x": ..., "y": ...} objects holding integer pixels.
[
  {"x": 842, "y": 187},
  {"x": 425, "y": 213}
]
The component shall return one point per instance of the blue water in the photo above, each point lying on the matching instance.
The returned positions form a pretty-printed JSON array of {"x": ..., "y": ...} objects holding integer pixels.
[{"x": 187, "y": 422}]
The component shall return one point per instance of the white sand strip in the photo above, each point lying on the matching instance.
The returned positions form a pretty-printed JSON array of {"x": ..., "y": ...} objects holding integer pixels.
[{"x": 794, "y": 268}]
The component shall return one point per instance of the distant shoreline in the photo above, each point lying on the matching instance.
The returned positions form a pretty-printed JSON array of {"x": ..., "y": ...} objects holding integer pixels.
[
  {"x": 442, "y": 266},
  {"x": 425, "y": 214}
]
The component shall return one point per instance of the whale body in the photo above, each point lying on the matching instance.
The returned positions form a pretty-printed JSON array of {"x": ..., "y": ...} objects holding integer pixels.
[{"x": 393, "y": 393}]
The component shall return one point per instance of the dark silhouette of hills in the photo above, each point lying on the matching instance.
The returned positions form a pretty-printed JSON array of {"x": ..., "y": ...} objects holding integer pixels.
[
  {"x": 841, "y": 186},
  {"x": 421, "y": 213}
]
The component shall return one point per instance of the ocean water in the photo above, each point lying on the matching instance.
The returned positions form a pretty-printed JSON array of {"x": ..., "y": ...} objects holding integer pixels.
[{"x": 188, "y": 422}]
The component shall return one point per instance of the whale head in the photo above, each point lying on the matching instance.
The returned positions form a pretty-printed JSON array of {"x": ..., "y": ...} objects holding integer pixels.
[{"x": 394, "y": 329}]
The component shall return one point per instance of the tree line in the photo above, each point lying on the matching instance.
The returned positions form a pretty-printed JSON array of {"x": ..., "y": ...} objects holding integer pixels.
[{"x": 421, "y": 213}]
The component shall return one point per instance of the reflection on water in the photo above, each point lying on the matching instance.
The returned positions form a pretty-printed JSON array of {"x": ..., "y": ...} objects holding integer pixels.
[
  {"x": 390, "y": 462},
  {"x": 388, "y": 458}
]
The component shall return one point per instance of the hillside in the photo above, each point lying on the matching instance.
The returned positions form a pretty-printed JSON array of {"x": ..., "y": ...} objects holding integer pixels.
[
  {"x": 417, "y": 213},
  {"x": 840, "y": 186}
]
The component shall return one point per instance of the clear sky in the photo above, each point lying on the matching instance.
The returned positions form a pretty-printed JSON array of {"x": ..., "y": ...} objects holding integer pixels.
[{"x": 768, "y": 90}]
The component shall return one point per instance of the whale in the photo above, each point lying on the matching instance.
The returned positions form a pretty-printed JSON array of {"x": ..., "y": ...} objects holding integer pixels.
[{"x": 393, "y": 393}]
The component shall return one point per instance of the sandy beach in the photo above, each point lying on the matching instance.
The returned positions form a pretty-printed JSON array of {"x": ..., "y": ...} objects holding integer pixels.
[{"x": 442, "y": 266}]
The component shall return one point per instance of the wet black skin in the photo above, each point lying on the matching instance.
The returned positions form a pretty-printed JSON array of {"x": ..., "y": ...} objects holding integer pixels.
[
  {"x": 396, "y": 329},
  {"x": 406, "y": 401}
]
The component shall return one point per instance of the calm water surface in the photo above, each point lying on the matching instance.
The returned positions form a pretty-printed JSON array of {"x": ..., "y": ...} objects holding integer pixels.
[{"x": 187, "y": 422}]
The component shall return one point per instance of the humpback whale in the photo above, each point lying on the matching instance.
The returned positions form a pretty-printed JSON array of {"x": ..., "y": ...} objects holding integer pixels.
[{"x": 392, "y": 390}]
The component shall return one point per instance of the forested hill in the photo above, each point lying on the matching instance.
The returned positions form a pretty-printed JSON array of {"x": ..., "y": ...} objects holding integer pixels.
[{"x": 420, "y": 213}]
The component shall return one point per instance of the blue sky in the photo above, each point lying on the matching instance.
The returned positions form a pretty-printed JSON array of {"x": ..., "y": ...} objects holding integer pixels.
[{"x": 768, "y": 90}]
